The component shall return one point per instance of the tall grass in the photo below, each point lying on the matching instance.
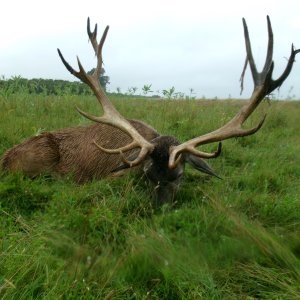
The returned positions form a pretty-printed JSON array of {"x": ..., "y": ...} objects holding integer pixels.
[{"x": 236, "y": 238}]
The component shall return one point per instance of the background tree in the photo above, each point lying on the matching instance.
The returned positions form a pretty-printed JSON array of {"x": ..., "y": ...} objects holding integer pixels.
[
  {"x": 169, "y": 93},
  {"x": 132, "y": 90},
  {"x": 104, "y": 80},
  {"x": 147, "y": 89},
  {"x": 118, "y": 90}
]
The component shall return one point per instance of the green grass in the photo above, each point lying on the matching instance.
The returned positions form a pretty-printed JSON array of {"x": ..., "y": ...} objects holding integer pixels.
[{"x": 236, "y": 238}]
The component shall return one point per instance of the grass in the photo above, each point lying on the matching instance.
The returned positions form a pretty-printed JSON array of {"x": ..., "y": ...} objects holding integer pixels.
[{"x": 236, "y": 238}]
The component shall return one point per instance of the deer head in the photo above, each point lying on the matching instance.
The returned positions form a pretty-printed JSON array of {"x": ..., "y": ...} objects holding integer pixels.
[{"x": 164, "y": 157}]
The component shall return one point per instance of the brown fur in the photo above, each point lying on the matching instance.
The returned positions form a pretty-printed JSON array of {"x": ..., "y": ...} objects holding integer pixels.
[{"x": 71, "y": 150}]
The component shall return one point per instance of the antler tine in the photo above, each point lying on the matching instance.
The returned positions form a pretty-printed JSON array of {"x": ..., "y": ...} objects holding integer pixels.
[
  {"x": 110, "y": 115},
  {"x": 99, "y": 52},
  {"x": 97, "y": 47},
  {"x": 249, "y": 57},
  {"x": 92, "y": 35},
  {"x": 269, "y": 56},
  {"x": 121, "y": 150},
  {"x": 80, "y": 75},
  {"x": 278, "y": 82},
  {"x": 257, "y": 77},
  {"x": 263, "y": 85}
]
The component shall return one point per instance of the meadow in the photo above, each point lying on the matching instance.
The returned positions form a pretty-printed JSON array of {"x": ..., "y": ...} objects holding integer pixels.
[{"x": 235, "y": 238}]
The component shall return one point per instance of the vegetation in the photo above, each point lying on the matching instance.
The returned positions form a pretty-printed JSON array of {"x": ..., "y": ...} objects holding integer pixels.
[
  {"x": 236, "y": 238},
  {"x": 48, "y": 87},
  {"x": 18, "y": 84},
  {"x": 39, "y": 86}
]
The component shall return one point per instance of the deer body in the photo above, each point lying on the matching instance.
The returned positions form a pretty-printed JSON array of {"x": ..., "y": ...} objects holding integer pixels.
[{"x": 71, "y": 151}]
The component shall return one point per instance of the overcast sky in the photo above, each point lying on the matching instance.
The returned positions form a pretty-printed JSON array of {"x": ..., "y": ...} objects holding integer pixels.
[{"x": 185, "y": 44}]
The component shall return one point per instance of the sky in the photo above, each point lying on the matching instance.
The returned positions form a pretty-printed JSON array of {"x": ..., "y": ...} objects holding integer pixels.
[{"x": 187, "y": 44}]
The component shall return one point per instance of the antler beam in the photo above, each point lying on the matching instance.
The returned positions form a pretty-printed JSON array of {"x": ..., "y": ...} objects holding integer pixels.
[{"x": 110, "y": 116}]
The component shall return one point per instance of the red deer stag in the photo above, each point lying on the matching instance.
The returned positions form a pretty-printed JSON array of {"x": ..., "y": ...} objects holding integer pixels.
[{"x": 113, "y": 143}]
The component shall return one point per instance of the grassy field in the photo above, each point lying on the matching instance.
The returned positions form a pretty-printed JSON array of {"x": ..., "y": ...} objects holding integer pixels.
[{"x": 236, "y": 238}]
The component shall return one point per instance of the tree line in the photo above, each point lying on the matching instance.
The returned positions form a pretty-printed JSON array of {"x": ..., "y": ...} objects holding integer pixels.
[{"x": 18, "y": 84}]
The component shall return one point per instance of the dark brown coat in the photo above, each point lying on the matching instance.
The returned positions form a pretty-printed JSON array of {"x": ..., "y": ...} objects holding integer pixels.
[{"x": 71, "y": 150}]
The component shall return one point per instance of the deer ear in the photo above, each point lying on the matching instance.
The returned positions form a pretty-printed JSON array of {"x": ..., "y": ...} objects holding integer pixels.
[{"x": 200, "y": 165}]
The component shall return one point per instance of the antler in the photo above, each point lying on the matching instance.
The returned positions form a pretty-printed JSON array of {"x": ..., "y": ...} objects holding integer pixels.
[
  {"x": 263, "y": 85},
  {"x": 110, "y": 116}
]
